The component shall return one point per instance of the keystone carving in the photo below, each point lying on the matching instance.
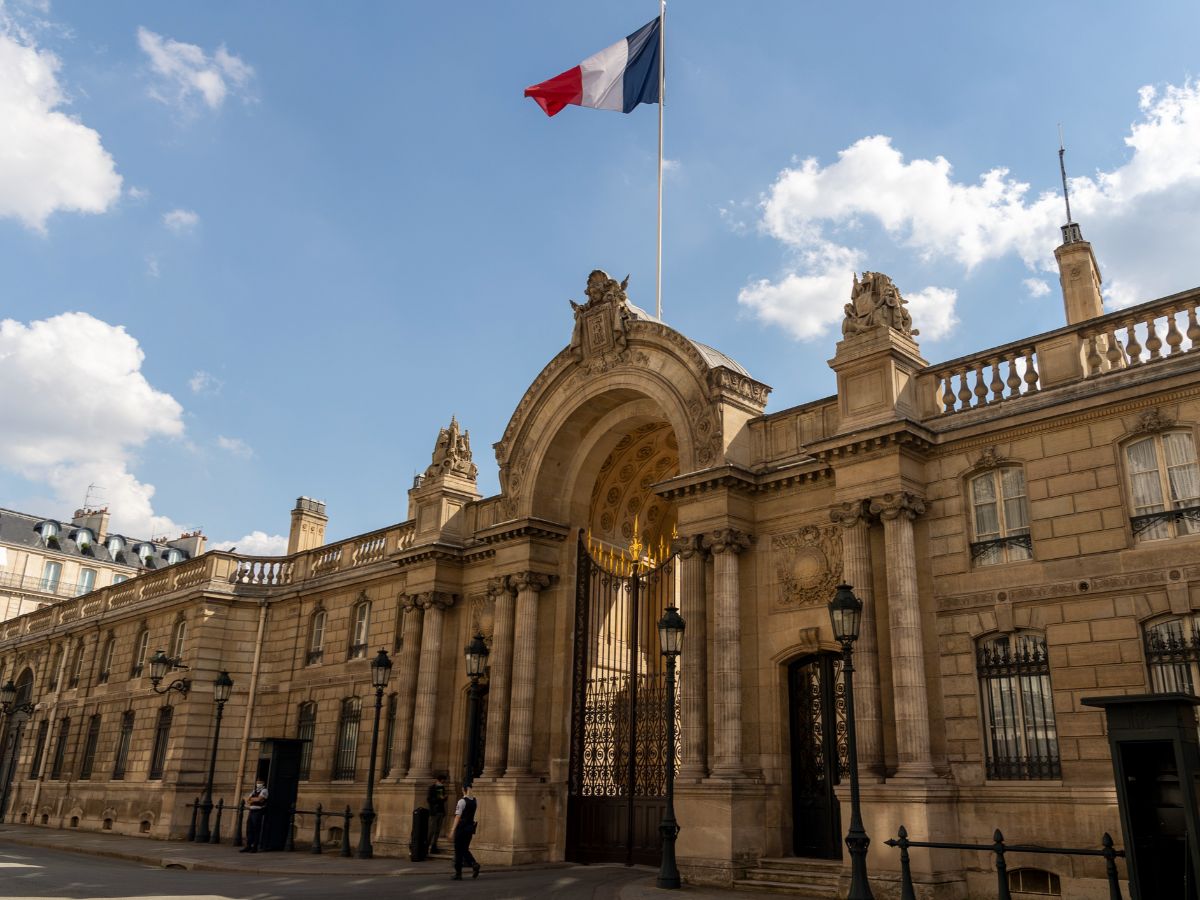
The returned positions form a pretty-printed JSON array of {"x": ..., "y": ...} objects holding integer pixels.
[{"x": 1152, "y": 421}]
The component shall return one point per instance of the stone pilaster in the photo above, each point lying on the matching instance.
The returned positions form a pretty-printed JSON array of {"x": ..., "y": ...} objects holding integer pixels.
[
  {"x": 524, "y": 672},
  {"x": 856, "y": 572},
  {"x": 725, "y": 544},
  {"x": 499, "y": 678},
  {"x": 904, "y": 620},
  {"x": 406, "y": 682},
  {"x": 693, "y": 676},
  {"x": 434, "y": 605}
]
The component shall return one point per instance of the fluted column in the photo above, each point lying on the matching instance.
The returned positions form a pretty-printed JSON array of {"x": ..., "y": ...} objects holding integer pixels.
[
  {"x": 693, "y": 680},
  {"x": 725, "y": 544},
  {"x": 856, "y": 572},
  {"x": 499, "y": 678},
  {"x": 904, "y": 621},
  {"x": 524, "y": 671},
  {"x": 434, "y": 604},
  {"x": 406, "y": 682}
]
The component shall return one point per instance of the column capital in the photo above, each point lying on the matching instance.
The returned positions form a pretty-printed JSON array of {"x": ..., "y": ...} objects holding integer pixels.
[
  {"x": 435, "y": 600},
  {"x": 850, "y": 514},
  {"x": 501, "y": 584},
  {"x": 893, "y": 506},
  {"x": 409, "y": 602},
  {"x": 529, "y": 581},
  {"x": 727, "y": 540},
  {"x": 687, "y": 547}
]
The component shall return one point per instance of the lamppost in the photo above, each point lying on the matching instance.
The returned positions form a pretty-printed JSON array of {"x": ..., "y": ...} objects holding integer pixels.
[
  {"x": 845, "y": 612},
  {"x": 159, "y": 664},
  {"x": 381, "y": 671},
  {"x": 476, "y": 655},
  {"x": 222, "y": 688},
  {"x": 670, "y": 636},
  {"x": 8, "y": 697}
]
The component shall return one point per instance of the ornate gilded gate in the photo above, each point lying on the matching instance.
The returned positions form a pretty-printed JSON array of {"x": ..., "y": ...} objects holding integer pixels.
[
  {"x": 617, "y": 786},
  {"x": 817, "y": 709}
]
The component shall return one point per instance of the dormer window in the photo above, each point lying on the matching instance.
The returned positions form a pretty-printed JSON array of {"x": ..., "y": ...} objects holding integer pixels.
[
  {"x": 173, "y": 556},
  {"x": 115, "y": 545},
  {"x": 83, "y": 540},
  {"x": 144, "y": 551},
  {"x": 48, "y": 532}
]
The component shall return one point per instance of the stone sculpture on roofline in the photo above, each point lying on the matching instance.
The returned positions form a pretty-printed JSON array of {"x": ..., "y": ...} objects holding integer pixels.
[
  {"x": 452, "y": 454},
  {"x": 874, "y": 302}
]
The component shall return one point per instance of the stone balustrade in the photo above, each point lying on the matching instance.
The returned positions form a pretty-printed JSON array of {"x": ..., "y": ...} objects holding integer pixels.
[
  {"x": 985, "y": 378},
  {"x": 1141, "y": 335}
]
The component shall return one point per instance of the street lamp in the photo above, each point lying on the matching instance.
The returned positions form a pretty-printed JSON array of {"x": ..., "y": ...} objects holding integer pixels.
[
  {"x": 8, "y": 697},
  {"x": 845, "y": 613},
  {"x": 381, "y": 671},
  {"x": 159, "y": 664},
  {"x": 670, "y": 636},
  {"x": 476, "y": 655},
  {"x": 222, "y": 688}
]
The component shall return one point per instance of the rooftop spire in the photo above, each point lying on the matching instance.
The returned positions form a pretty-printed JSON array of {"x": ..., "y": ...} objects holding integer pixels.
[{"x": 1070, "y": 231}]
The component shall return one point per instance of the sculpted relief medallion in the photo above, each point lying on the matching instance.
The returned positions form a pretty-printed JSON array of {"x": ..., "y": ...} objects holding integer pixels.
[{"x": 808, "y": 565}]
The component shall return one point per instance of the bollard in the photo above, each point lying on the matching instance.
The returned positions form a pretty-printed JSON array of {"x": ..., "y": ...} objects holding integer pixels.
[
  {"x": 346, "y": 833},
  {"x": 191, "y": 835},
  {"x": 1110, "y": 867},
  {"x": 418, "y": 844},
  {"x": 216, "y": 832},
  {"x": 1001, "y": 867},
  {"x": 316, "y": 844},
  {"x": 237, "y": 828},
  {"x": 290, "y": 843}
]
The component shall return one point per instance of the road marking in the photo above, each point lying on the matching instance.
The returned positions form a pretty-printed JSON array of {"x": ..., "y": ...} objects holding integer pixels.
[{"x": 18, "y": 865}]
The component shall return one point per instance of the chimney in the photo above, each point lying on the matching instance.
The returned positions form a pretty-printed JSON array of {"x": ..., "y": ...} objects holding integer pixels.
[
  {"x": 95, "y": 520},
  {"x": 308, "y": 525},
  {"x": 190, "y": 542},
  {"x": 1077, "y": 270}
]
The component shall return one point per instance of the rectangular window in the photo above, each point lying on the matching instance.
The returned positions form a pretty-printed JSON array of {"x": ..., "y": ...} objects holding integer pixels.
[
  {"x": 1173, "y": 654},
  {"x": 359, "y": 635},
  {"x": 162, "y": 734},
  {"x": 89, "y": 747},
  {"x": 87, "y": 581},
  {"x": 123, "y": 740},
  {"x": 117, "y": 579},
  {"x": 306, "y": 731},
  {"x": 39, "y": 747},
  {"x": 1001, "y": 517},
  {"x": 140, "y": 646},
  {"x": 316, "y": 638},
  {"x": 106, "y": 660},
  {"x": 51, "y": 575},
  {"x": 76, "y": 667},
  {"x": 1022, "y": 739},
  {"x": 347, "y": 743},
  {"x": 60, "y": 749}
]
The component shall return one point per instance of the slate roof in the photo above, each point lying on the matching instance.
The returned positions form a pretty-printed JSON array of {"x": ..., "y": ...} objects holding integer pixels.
[{"x": 19, "y": 529}]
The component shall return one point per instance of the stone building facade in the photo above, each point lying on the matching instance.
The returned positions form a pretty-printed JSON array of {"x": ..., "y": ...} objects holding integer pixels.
[{"x": 1020, "y": 524}]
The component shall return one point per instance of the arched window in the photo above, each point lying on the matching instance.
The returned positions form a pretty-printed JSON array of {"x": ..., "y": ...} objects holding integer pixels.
[
  {"x": 1164, "y": 486},
  {"x": 346, "y": 752},
  {"x": 1014, "y": 680},
  {"x": 306, "y": 729},
  {"x": 83, "y": 538},
  {"x": 1000, "y": 517},
  {"x": 316, "y": 638},
  {"x": 106, "y": 658},
  {"x": 178, "y": 636},
  {"x": 1034, "y": 883},
  {"x": 141, "y": 645},
  {"x": 173, "y": 556},
  {"x": 360, "y": 629},
  {"x": 76, "y": 669},
  {"x": 162, "y": 734},
  {"x": 48, "y": 531},
  {"x": 24, "y": 687},
  {"x": 115, "y": 544},
  {"x": 1173, "y": 654}
]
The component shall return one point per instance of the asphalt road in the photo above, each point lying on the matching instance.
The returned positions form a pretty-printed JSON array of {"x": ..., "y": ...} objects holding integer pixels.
[{"x": 28, "y": 872}]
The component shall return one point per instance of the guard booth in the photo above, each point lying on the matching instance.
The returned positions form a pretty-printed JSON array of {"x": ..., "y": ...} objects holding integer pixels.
[
  {"x": 1156, "y": 763},
  {"x": 279, "y": 769}
]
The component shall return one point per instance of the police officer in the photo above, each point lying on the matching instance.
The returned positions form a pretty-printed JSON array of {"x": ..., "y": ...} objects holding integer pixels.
[{"x": 257, "y": 802}]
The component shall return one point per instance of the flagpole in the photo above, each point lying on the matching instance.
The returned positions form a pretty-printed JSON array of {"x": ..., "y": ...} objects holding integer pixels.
[{"x": 662, "y": 101}]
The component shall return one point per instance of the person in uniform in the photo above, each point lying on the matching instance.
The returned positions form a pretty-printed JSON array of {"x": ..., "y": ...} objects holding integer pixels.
[
  {"x": 435, "y": 799},
  {"x": 257, "y": 803},
  {"x": 462, "y": 831}
]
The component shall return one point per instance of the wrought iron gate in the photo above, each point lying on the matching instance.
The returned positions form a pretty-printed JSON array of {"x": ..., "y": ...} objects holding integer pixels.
[
  {"x": 617, "y": 786},
  {"x": 817, "y": 704}
]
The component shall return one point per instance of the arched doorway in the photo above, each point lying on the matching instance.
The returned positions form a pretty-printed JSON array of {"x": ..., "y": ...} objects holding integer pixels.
[
  {"x": 817, "y": 725},
  {"x": 626, "y": 578},
  {"x": 10, "y": 738}
]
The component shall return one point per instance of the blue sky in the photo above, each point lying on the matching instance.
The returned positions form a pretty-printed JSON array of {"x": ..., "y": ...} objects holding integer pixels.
[{"x": 258, "y": 250}]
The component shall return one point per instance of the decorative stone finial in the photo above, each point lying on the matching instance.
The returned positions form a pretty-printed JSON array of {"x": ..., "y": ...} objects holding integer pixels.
[
  {"x": 875, "y": 302},
  {"x": 452, "y": 454}
]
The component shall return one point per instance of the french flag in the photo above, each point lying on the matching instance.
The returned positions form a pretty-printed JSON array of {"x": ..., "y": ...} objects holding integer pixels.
[{"x": 618, "y": 77}]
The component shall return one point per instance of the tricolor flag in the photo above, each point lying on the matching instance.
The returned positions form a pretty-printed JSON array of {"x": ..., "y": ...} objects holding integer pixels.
[{"x": 619, "y": 77}]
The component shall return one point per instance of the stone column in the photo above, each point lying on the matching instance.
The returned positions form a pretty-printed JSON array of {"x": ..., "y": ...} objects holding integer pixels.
[
  {"x": 499, "y": 678},
  {"x": 904, "y": 620},
  {"x": 434, "y": 605},
  {"x": 406, "y": 682},
  {"x": 856, "y": 572},
  {"x": 524, "y": 672},
  {"x": 725, "y": 544},
  {"x": 693, "y": 676}
]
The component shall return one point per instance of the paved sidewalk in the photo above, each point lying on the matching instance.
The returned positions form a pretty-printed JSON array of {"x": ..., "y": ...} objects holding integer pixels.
[{"x": 226, "y": 858}]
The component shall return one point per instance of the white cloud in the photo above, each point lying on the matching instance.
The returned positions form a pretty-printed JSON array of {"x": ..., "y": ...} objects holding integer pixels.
[
  {"x": 1140, "y": 216},
  {"x": 1036, "y": 287},
  {"x": 137, "y": 193},
  {"x": 180, "y": 220},
  {"x": 49, "y": 161},
  {"x": 203, "y": 382},
  {"x": 256, "y": 543},
  {"x": 152, "y": 267},
  {"x": 933, "y": 311},
  {"x": 235, "y": 446},
  {"x": 187, "y": 72},
  {"x": 806, "y": 305},
  {"x": 94, "y": 410}
]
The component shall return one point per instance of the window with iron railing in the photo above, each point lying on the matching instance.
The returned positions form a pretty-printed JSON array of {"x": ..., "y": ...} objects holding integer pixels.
[
  {"x": 141, "y": 645},
  {"x": 89, "y": 747},
  {"x": 1014, "y": 679},
  {"x": 306, "y": 730},
  {"x": 316, "y": 638},
  {"x": 106, "y": 658},
  {"x": 124, "y": 737},
  {"x": 1173, "y": 654},
  {"x": 162, "y": 734},
  {"x": 39, "y": 748},
  {"x": 1164, "y": 485},
  {"x": 346, "y": 753},
  {"x": 1000, "y": 517},
  {"x": 360, "y": 630},
  {"x": 60, "y": 748}
]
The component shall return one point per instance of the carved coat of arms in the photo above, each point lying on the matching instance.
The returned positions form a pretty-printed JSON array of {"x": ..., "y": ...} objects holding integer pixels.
[{"x": 808, "y": 564}]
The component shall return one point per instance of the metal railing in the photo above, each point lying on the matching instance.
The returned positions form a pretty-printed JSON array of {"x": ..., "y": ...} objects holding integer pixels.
[
  {"x": 319, "y": 814},
  {"x": 1000, "y": 849}
]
